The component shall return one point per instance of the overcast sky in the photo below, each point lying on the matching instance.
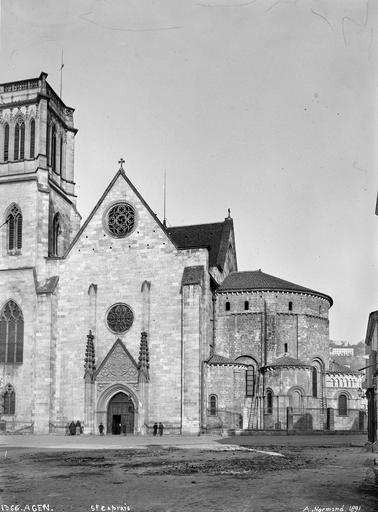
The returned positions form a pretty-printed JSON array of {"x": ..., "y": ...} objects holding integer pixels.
[{"x": 266, "y": 107}]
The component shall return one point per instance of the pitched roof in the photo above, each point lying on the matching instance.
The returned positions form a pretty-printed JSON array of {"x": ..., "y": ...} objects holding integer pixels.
[
  {"x": 216, "y": 359},
  {"x": 258, "y": 280},
  {"x": 335, "y": 367},
  {"x": 214, "y": 237},
  {"x": 192, "y": 275},
  {"x": 287, "y": 361}
]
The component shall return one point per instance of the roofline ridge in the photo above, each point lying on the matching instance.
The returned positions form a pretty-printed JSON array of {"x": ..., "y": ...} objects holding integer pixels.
[{"x": 196, "y": 225}]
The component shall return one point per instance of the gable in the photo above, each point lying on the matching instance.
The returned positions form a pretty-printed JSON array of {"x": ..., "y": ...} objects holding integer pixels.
[
  {"x": 120, "y": 189},
  {"x": 118, "y": 365}
]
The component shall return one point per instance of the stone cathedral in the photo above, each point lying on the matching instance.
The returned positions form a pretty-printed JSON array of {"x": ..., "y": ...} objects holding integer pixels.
[{"x": 124, "y": 321}]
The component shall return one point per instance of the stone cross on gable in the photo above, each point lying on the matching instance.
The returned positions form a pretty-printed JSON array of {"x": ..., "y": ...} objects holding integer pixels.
[{"x": 121, "y": 161}]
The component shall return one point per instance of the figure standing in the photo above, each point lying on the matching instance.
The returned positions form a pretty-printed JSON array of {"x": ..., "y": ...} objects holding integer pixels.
[
  {"x": 161, "y": 428},
  {"x": 72, "y": 428},
  {"x": 101, "y": 429},
  {"x": 155, "y": 429},
  {"x": 78, "y": 428}
]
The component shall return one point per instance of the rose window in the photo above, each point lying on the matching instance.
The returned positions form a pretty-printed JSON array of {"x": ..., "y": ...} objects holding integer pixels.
[
  {"x": 119, "y": 318},
  {"x": 121, "y": 219}
]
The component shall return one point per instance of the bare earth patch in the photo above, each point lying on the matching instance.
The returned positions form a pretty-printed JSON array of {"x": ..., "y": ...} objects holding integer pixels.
[{"x": 173, "y": 479}]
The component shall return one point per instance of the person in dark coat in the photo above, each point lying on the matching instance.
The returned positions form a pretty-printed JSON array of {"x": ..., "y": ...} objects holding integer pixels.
[
  {"x": 101, "y": 429},
  {"x": 161, "y": 428},
  {"x": 72, "y": 428},
  {"x": 155, "y": 429}
]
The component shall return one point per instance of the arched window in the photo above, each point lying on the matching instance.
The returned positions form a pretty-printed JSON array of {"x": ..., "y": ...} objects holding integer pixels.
[
  {"x": 269, "y": 401},
  {"x": 296, "y": 399},
  {"x": 32, "y": 139},
  {"x": 48, "y": 138},
  {"x": 14, "y": 223},
  {"x": 53, "y": 148},
  {"x": 343, "y": 405},
  {"x": 246, "y": 305},
  {"x": 228, "y": 306},
  {"x": 19, "y": 140},
  {"x": 213, "y": 406},
  {"x": 9, "y": 401},
  {"x": 6, "y": 142},
  {"x": 314, "y": 382},
  {"x": 61, "y": 156},
  {"x": 290, "y": 306},
  {"x": 56, "y": 231},
  {"x": 250, "y": 381},
  {"x": 11, "y": 333}
]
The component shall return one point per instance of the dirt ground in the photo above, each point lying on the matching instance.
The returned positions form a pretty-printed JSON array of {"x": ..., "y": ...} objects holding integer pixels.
[{"x": 172, "y": 479}]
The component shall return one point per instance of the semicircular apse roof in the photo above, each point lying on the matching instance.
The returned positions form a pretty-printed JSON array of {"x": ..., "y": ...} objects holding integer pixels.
[{"x": 256, "y": 280}]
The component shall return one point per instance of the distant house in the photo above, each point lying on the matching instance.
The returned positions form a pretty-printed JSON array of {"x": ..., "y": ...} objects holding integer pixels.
[{"x": 341, "y": 351}]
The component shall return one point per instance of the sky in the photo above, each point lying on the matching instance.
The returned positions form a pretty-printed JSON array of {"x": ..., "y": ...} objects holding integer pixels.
[{"x": 266, "y": 107}]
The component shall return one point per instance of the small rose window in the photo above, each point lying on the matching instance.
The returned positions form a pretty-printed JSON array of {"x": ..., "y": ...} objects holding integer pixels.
[
  {"x": 120, "y": 220},
  {"x": 120, "y": 318}
]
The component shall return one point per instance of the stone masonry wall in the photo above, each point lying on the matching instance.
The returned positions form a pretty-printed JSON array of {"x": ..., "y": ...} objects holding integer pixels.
[
  {"x": 19, "y": 285},
  {"x": 302, "y": 330},
  {"x": 118, "y": 267}
]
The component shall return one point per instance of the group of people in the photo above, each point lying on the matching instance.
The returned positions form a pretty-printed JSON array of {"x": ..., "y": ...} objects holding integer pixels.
[
  {"x": 73, "y": 429},
  {"x": 157, "y": 428}
]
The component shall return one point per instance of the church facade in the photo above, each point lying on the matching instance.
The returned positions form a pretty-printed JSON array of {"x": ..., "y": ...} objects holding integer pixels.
[{"x": 124, "y": 321}]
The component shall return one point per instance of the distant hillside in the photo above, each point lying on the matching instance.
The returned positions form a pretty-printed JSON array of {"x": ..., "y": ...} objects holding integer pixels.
[{"x": 354, "y": 360}]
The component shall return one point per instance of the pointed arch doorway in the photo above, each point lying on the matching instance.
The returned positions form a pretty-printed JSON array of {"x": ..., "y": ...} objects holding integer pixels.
[{"x": 120, "y": 415}]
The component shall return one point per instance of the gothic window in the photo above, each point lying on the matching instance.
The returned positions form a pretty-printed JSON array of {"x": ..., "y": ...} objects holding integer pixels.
[
  {"x": 32, "y": 138},
  {"x": 246, "y": 305},
  {"x": 343, "y": 405},
  {"x": 314, "y": 382},
  {"x": 48, "y": 153},
  {"x": 120, "y": 220},
  {"x": 213, "y": 405},
  {"x": 56, "y": 231},
  {"x": 61, "y": 156},
  {"x": 9, "y": 401},
  {"x": 53, "y": 148},
  {"x": 228, "y": 306},
  {"x": 120, "y": 318},
  {"x": 19, "y": 140},
  {"x": 6, "y": 142},
  {"x": 14, "y": 223},
  {"x": 11, "y": 333},
  {"x": 250, "y": 381},
  {"x": 269, "y": 401}
]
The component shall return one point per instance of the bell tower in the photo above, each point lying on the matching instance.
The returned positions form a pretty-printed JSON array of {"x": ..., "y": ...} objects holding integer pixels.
[{"x": 37, "y": 136}]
